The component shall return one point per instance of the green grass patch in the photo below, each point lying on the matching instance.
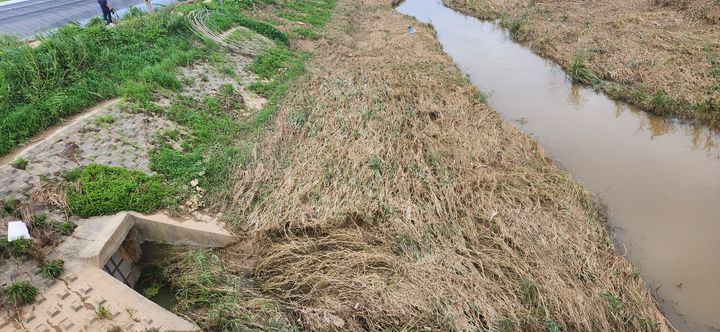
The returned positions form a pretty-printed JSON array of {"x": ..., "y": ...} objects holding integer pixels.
[
  {"x": 21, "y": 292},
  {"x": 272, "y": 61},
  {"x": 580, "y": 73},
  {"x": 53, "y": 270},
  {"x": 211, "y": 150},
  {"x": 263, "y": 28},
  {"x": 19, "y": 247},
  {"x": 314, "y": 12},
  {"x": 103, "y": 120},
  {"x": 280, "y": 85},
  {"x": 306, "y": 33},
  {"x": 514, "y": 24},
  {"x": 64, "y": 228},
  {"x": 278, "y": 66},
  {"x": 661, "y": 102},
  {"x": 74, "y": 67},
  {"x": 96, "y": 190},
  {"x": 19, "y": 163}
]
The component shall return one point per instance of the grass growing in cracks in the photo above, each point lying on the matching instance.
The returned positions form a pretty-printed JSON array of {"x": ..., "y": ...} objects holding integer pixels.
[
  {"x": 53, "y": 270},
  {"x": 21, "y": 292},
  {"x": 19, "y": 163}
]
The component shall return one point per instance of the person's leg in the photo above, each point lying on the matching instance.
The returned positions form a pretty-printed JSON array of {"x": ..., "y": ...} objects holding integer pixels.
[{"x": 107, "y": 15}]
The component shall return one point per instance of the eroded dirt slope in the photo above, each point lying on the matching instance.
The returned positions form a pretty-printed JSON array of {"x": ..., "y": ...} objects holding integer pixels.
[
  {"x": 661, "y": 55},
  {"x": 390, "y": 197}
]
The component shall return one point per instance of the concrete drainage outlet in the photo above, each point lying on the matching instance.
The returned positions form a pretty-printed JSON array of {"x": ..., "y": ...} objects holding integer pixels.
[
  {"x": 122, "y": 265},
  {"x": 101, "y": 261}
]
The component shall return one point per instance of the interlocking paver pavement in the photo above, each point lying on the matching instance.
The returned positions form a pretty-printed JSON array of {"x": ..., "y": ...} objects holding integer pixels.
[{"x": 125, "y": 141}]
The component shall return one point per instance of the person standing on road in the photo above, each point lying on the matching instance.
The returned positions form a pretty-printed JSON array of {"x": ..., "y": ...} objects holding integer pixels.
[{"x": 106, "y": 9}]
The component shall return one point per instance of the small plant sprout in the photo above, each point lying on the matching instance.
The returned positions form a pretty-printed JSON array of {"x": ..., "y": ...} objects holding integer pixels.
[
  {"x": 21, "y": 292},
  {"x": 19, "y": 163},
  {"x": 375, "y": 163},
  {"x": 298, "y": 118},
  {"x": 102, "y": 311}
]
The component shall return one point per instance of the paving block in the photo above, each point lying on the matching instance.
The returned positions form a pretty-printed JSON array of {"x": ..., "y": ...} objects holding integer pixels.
[
  {"x": 63, "y": 294},
  {"x": 53, "y": 311}
]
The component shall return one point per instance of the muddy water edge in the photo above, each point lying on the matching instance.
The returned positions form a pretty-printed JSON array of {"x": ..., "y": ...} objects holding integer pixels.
[{"x": 660, "y": 178}]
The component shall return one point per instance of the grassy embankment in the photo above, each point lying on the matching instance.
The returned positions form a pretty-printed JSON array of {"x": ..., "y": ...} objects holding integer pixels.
[
  {"x": 77, "y": 66},
  {"x": 663, "y": 56},
  {"x": 390, "y": 197}
]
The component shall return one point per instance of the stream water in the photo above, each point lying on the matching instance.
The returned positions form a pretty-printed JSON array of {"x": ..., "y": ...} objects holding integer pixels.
[{"x": 660, "y": 178}]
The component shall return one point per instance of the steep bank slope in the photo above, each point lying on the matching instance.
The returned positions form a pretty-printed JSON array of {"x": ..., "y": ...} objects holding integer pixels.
[
  {"x": 661, "y": 55},
  {"x": 390, "y": 197}
]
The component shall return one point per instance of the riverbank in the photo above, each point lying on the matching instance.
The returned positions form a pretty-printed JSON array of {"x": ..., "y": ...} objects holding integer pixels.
[
  {"x": 388, "y": 195},
  {"x": 665, "y": 59},
  {"x": 374, "y": 190}
]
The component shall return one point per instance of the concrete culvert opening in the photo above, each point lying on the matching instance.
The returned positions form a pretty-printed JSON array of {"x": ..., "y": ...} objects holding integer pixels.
[
  {"x": 140, "y": 265},
  {"x": 114, "y": 267}
]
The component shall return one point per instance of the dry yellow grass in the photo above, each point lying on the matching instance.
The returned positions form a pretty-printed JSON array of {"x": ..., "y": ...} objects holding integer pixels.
[
  {"x": 657, "y": 54},
  {"x": 388, "y": 196},
  {"x": 708, "y": 10}
]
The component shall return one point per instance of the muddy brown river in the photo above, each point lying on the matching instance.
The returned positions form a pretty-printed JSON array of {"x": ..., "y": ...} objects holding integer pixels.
[{"x": 660, "y": 178}]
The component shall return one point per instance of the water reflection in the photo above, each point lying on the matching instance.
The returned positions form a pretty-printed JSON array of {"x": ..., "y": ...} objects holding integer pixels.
[{"x": 702, "y": 138}]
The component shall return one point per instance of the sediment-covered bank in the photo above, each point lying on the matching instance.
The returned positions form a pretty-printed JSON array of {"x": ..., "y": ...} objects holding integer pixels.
[
  {"x": 661, "y": 55},
  {"x": 389, "y": 196}
]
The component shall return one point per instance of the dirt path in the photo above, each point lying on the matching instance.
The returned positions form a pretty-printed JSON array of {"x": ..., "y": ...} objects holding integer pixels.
[
  {"x": 389, "y": 196},
  {"x": 665, "y": 59}
]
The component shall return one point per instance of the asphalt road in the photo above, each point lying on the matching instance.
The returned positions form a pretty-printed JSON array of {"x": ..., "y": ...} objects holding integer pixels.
[{"x": 25, "y": 18}]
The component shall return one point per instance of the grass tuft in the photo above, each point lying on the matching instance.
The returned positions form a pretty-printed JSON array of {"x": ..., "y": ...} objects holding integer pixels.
[
  {"x": 580, "y": 73},
  {"x": 102, "y": 311},
  {"x": 20, "y": 247},
  {"x": 104, "y": 120},
  {"x": 19, "y": 163},
  {"x": 514, "y": 25},
  {"x": 53, "y": 270},
  {"x": 21, "y": 292}
]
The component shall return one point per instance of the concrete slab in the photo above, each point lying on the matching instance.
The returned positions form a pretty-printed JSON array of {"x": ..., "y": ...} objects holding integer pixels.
[{"x": 71, "y": 305}]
